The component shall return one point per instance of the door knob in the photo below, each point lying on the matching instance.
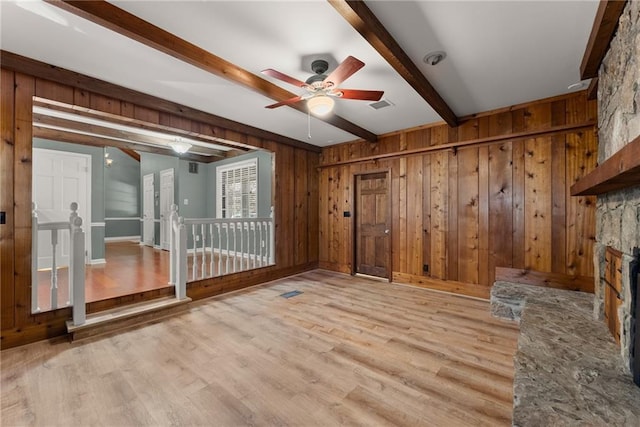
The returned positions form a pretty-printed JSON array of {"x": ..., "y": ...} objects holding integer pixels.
[{"x": 386, "y": 231}]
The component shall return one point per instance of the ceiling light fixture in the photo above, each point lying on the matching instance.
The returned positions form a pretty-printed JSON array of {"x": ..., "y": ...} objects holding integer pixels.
[
  {"x": 107, "y": 160},
  {"x": 434, "y": 58},
  {"x": 321, "y": 105},
  {"x": 180, "y": 146}
]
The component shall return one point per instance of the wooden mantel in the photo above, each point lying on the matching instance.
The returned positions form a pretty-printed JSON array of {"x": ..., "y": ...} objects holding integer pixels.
[{"x": 619, "y": 171}]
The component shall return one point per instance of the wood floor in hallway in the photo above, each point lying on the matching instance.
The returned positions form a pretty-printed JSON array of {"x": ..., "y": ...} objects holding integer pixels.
[{"x": 348, "y": 350}]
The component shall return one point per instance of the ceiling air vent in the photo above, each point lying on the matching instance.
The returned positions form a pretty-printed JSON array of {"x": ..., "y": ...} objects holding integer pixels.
[{"x": 383, "y": 103}]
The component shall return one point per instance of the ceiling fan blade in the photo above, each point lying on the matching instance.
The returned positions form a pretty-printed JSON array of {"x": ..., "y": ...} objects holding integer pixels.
[
  {"x": 365, "y": 95},
  {"x": 345, "y": 70},
  {"x": 280, "y": 76},
  {"x": 285, "y": 102}
]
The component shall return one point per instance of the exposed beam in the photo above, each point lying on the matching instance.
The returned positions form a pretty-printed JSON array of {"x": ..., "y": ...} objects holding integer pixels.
[
  {"x": 367, "y": 24},
  {"x": 15, "y": 62},
  {"x": 604, "y": 28},
  {"x": 129, "y": 121},
  {"x": 97, "y": 141},
  {"x": 131, "y": 153},
  {"x": 107, "y": 132},
  {"x": 122, "y": 22}
]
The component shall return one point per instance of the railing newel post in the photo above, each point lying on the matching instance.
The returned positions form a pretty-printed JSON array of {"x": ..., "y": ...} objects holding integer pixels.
[
  {"x": 34, "y": 259},
  {"x": 77, "y": 270},
  {"x": 181, "y": 277},
  {"x": 173, "y": 223}
]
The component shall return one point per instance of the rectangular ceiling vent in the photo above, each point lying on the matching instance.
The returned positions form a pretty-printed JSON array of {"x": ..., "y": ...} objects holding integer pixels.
[{"x": 383, "y": 103}]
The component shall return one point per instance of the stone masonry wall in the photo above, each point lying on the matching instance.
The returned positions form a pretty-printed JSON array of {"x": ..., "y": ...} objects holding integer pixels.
[{"x": 618, "y": 213}]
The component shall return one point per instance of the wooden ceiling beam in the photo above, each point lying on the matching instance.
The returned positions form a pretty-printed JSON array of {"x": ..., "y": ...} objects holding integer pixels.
[
  {"x": 98, "y": 141},
  {"x": 22, "y": 64},
  {"x": 362, "y": 19},
  {"x": 129, "y": 121},
  {"x": 107, "y": 132},
  {"x": 122, "y": 22},
  {"x": 602, "y": 32},
  {"x": 131, "y": 153}
]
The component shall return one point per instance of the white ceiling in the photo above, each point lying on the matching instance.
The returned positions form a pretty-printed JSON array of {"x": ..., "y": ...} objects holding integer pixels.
[{"x": 499, "y": 53}]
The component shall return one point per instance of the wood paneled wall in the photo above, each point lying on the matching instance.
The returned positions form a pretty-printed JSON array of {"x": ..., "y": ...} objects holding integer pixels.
[
  {"x": 500, "y": 198},
  {"x": 295, "y": 190}
]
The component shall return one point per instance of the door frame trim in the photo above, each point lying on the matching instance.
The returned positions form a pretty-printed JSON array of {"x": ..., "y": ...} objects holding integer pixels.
[
  {"x": 153, "y": 206},
  {"x": 354, "y": 204},
  {"x": 172, "y": 172}
]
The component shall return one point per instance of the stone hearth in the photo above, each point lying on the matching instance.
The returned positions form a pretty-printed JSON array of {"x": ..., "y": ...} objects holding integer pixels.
[{"x": 567, "y": 368}]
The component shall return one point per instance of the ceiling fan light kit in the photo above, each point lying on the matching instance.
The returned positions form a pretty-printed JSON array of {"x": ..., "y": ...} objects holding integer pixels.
[{"x": 321, "y": 105}]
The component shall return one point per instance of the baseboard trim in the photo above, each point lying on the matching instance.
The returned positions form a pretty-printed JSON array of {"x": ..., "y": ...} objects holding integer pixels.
[
  {"x": 468, "y": 289},
  {"x": 122, "y": 239}
]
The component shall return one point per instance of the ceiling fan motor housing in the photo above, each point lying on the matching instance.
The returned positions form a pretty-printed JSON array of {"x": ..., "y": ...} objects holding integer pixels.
[{"x": 319, "y": 66}]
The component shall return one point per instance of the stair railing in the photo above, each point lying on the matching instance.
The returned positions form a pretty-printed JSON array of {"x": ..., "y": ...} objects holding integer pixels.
[
  {"x": 218, "y": 246},
  {"x": 76, "y": 263}
]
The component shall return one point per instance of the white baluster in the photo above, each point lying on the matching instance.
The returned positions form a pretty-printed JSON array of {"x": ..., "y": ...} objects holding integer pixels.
[
  {"x": 270, "y": 237},
  {"x": 194, "y": 259},
  {"x": 54, "y": 270},
  {"x": 211, "y": 273},
  {"x": 240, "y": 224},
  {"x": 262, "y": 243},
  {"x": 203, "y": 265},
  {"x": 235, "y": 252},
  {"x": 226, "y": 268},
  {"x": 76, "y": 270},
  {"x": 219, "y": 249},
  {"x": 255, "y": 243},
  {"x": 35, "y": 307}
]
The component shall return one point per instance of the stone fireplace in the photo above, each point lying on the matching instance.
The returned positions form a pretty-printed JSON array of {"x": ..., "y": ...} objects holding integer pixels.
[{"x": 618, "y": 210}]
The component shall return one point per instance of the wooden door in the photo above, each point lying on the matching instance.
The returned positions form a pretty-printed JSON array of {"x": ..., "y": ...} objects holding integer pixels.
[
  {"x": 373, "y": 225},
  {"x": 148, "y": 215},
  {"x": 166, "y": 200}
]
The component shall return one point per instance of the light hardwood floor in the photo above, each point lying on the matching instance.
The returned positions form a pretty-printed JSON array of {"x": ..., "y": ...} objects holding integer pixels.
[{"x": 349, "y": 350}]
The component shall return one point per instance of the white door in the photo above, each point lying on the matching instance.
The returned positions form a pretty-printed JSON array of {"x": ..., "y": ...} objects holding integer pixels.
[
  {"x": 166, "y": 200},
  {"x": 148, "y": 214},
  {"x": 60, "y": 178}
]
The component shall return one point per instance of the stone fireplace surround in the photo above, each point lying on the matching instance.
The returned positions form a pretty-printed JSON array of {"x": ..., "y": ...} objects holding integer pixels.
[{"x": 618, "y": 211}]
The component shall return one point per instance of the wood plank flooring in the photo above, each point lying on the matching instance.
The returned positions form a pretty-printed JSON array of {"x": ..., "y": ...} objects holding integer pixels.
[
  {"x": 348, "y": 350},
  {"x": 130, "y": 268}
]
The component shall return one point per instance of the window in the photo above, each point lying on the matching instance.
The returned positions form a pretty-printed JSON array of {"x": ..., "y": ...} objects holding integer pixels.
[{"x": 238, "y": 190}]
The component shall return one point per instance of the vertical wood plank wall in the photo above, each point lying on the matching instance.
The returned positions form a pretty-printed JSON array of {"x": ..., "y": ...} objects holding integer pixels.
[
  {"x": 463, "y": 212},
  {"x": 295, "y": 190}
]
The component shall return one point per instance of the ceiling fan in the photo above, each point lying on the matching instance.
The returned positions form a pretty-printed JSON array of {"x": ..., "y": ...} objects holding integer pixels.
[{"x": 321, "y": 89}]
